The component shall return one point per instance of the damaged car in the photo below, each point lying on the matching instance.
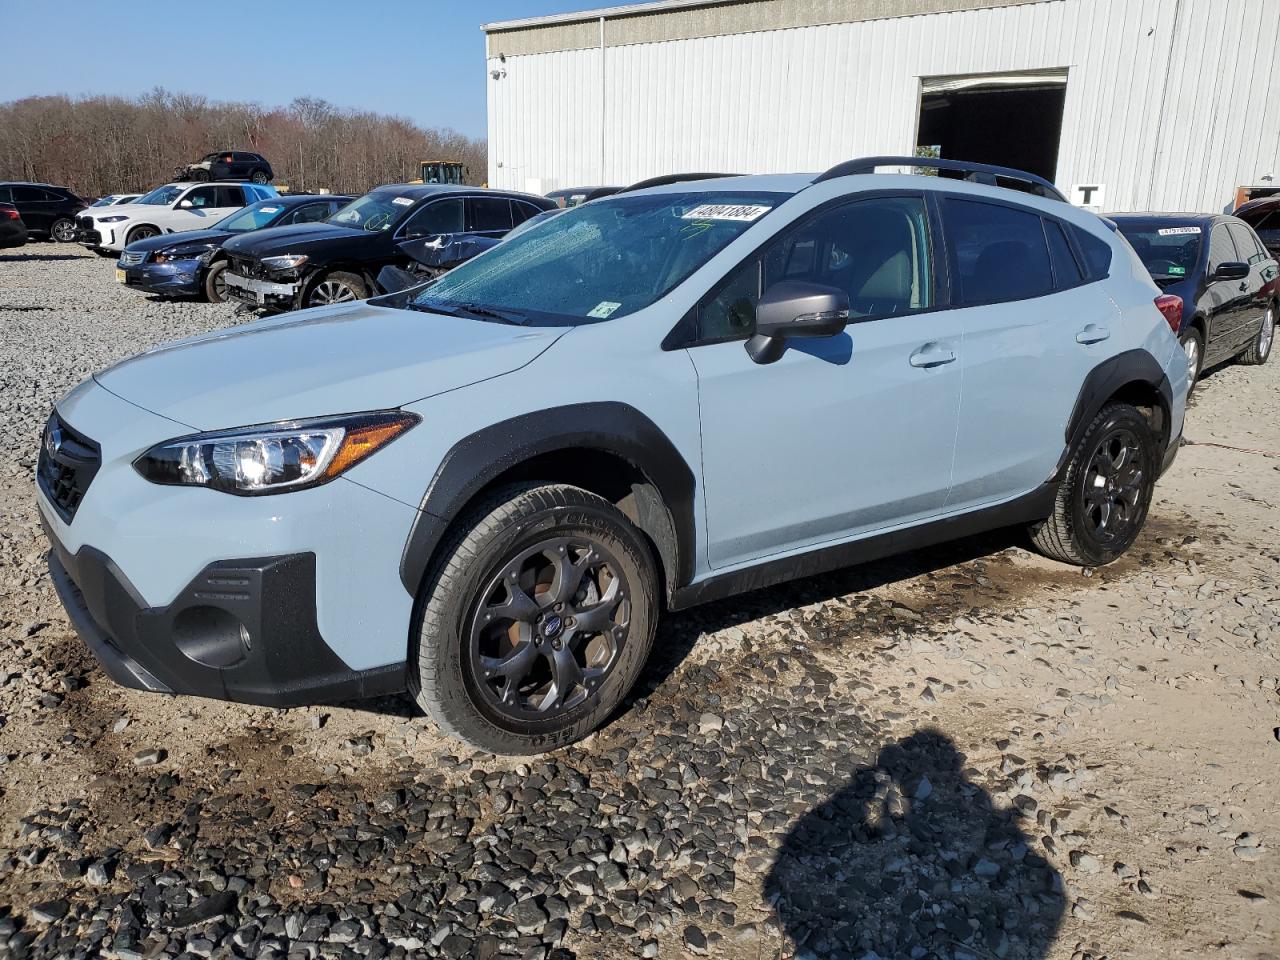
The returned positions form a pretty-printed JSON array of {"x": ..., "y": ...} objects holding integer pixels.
[{"x": 228, "y": 165}]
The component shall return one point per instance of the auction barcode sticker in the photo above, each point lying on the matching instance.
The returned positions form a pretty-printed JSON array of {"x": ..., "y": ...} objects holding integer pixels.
[
  {"x": 743, "y": 212},
  {"x": 1177, "y": 231},
  {"x": 402, "y": 201}
]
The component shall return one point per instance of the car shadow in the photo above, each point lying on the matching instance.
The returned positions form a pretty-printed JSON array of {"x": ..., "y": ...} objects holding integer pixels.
[
  {"x": 913, "y": 859},
  {"x": 32, "y": 257}
]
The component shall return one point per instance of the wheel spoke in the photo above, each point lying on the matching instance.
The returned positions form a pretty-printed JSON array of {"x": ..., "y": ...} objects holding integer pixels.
[
  {"x": 518, "y": 605},
  {"x": 1104, "y": 514},
  {"x": 599, "y": 616},
  {"x": 567, "y": 674},
  {"x": 514, "y": 667},
  {"x": 568, "y": 573}
]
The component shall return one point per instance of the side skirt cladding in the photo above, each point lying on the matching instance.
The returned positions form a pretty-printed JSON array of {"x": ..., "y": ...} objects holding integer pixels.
[{"x": 608, "y": 428}]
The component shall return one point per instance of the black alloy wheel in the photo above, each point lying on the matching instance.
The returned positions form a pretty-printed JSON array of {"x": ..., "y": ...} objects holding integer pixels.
[
  {"x": 1113, "y": 489},
  {"x": 549, "y": 628}
]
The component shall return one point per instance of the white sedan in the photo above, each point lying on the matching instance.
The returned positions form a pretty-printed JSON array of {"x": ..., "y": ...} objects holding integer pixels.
[{"x": 168, "y": 209}]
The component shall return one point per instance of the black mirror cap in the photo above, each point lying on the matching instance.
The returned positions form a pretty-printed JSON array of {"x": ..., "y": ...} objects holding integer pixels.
[
  {"x": 792, "y": 309},
  {"x": 1231, "y": 270}
]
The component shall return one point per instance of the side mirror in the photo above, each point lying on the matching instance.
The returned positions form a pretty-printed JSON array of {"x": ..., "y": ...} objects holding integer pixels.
[
  {"x": 792, "y": 310},
  {"x": 184, "y": 204},
  {"x": 1231, "y": 270}
]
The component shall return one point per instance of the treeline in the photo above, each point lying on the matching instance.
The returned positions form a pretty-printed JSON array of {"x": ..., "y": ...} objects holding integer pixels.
[{"x": 100, "y": 145}]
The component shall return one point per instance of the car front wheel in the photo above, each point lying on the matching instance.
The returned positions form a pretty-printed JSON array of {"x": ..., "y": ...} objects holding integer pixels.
[
  {"x": 1105, "y": 492},
  {"x": 535, "y": 621},
  {"x": 141, "y": 233},
  {"x": 63, "y": 231},
  {"x": 1260, "y": 347},
  {"x": 336, "y": 287},
  {"x": 215, "y": 282},
  {"x": 259, "y": 177}
]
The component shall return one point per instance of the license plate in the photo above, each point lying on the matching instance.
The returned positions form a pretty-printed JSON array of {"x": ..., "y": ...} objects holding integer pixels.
[{"x": 120, "y": 276}]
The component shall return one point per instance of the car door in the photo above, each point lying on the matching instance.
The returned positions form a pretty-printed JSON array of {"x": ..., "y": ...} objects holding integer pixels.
[
  {"x": 437, "y": 218},
  {"x": 228, "y": 199},
  {"x": 1250, "y": 251},
  {"x": 489, "y": 216},
  {"x": 1227, "y": 300},
  {"x": 35, "y": 206},
  {"x": 843, "y": 435},
  {"x": 1033, "y": 330}
]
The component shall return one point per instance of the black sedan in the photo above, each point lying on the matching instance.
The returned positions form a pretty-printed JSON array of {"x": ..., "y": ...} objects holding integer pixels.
[
  {"x": 288, "y": 268},
  {"x": 1228, "y": 281},
  {"x": 192, "y": 262},
  {"x": 13, "y": 232}
]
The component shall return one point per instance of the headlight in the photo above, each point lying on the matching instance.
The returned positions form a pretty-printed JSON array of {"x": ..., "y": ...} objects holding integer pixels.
[
  {"x": 112, "y": 219},
  {"x": 286, "y": 262},
  {"x": 273, "y": 457},
  {"x": 168, "y": 256}
]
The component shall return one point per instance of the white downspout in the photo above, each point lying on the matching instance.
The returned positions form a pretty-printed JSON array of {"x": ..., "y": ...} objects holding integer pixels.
[{"x": 602, "y": 110}]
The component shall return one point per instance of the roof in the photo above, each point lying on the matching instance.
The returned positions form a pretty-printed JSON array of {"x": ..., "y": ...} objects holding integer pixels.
[
  {"x": 788, "y": 183},
  {"x": 420, "y": 190},
  {"x": 293, "y": 199},
  {"x": 687, "y": 19},
  {"x": 1182, "y": 217}
]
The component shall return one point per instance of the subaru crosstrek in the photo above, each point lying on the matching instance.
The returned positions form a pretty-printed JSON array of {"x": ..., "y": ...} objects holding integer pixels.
[{"x": 487, "y": 490}]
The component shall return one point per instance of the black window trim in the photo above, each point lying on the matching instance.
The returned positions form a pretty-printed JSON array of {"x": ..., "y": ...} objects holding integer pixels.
[
  {"x": 428, "y": 201},
  {"x": 684, "y": 335}
]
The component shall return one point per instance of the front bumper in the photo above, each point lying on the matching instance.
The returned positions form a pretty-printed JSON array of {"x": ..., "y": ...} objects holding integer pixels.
[
  {"x": 242, "y": 630},
  {"x": 261, "y": 293},
  {"x": 172, "y": 277}
]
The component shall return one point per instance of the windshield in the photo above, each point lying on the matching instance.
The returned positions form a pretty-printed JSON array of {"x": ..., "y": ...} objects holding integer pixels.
[
  {"x": 161, "y": 196},
  {"x": 1168, "y": 249},
  {"x": 104, "y": 202},
  {"x": 253, "y": 217},
  {"x": 375, "y": 211},
  {"x": 601, "y": 260}
]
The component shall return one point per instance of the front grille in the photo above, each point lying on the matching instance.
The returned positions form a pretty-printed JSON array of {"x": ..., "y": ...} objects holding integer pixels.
[
  {"x": 67, "y": 465},
  {"x": 128, "y": 259},
  {"x": 84, "y": 223},
  {"x": 245, "y": 267}
]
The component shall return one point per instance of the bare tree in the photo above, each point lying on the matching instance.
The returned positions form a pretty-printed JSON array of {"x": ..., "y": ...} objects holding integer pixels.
[{"x": 99, "y": 145}]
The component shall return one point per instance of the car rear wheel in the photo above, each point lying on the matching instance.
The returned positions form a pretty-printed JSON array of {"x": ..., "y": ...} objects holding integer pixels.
[
  {"x": 336, "y": 287},
  {"x": 259, "y": 177},
  {"x": 1192, "y": 341},
  {"x": 199, "y": 175},
  {"x": 1103, "y": 497},
  {"x": 141, "y": 233},
  {"x": 1260, "y": 347},
  {"x": 536, "y": 620},
  {"x": 63, "y": 230},
  {"x": 215, "y": 282}
]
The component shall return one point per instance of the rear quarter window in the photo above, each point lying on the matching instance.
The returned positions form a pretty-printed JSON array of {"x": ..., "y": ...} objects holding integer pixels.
[{"x": 1096, "y": 252}]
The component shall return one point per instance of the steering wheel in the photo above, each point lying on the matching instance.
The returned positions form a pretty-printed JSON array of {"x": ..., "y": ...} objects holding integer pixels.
[{"x": 377, "y": 221}]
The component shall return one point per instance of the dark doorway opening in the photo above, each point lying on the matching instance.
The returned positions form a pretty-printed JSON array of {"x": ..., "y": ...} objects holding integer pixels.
[{"x": 1010, "y": 125}]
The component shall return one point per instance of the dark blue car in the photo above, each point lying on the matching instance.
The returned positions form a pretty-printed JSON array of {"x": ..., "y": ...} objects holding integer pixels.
[{"x": 191, "y": 263}]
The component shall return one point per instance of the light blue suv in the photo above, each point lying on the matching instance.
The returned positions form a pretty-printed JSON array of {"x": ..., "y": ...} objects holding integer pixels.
[{"x": 488, "y": 489}]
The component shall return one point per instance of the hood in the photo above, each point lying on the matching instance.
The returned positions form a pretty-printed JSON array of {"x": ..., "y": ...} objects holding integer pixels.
[
  {"x": 123, "y": 210},
  {"x": 185, "y": 238},
  {"x": 333, "y": 360},
  {"x": 291, "y": 239}
]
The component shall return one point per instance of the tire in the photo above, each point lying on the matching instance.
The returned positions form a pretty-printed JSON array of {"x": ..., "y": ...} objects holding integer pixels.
[
  {"x": 199, "y": 175},
  {"x": 259, "y": 177},
  {"x": 1072, "y": 534},
  {"x": 1193, "y": 339},
  {"x": 215, "y": 284},
  {"x": 141, "y": 233},
  {"x": 336, "y": 287},
  {"x": 63, "y": 231},
  {"x": 522, "y": 710},
  {"x": 1260, "y": 347}
]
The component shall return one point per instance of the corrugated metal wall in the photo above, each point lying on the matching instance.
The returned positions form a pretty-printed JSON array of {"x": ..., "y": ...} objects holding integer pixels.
[{"x": 1160, "y": 134}]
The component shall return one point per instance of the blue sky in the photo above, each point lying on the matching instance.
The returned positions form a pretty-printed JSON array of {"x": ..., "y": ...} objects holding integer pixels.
[{"x": 423, "y": 60}]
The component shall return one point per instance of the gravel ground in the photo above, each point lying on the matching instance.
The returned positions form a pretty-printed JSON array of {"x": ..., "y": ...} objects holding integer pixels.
[{"x": 967, "y": 752}]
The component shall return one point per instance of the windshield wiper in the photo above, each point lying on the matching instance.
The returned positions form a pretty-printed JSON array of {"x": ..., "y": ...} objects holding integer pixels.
[{"x": 472, "y": 309}]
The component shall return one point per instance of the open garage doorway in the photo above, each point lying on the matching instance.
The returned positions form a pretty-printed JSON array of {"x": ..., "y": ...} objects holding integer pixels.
[{"x": 1010, "y": 119}]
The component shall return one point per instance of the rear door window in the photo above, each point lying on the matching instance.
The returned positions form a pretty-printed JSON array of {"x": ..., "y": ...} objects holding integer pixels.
[
  {"x": 231, "y": 196},
  {"x": 1249, "y": 249},
  {"x": 490, "y": 214},
  {"x": 28, "y": 195},
  {"x": 6, "y": 195},
  {"x": 997, "y": 253}
]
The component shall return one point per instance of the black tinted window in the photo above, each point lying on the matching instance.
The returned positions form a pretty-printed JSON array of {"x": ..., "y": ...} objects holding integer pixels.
[
  {"x": 443, "y": 216},
  {"x": 6, "y": 195},
  {"x": 231, "y": 196},
  {"x": 309, "y": 213},
  {"x": 203, "y": 197},
  {"x": 1097, "y": 254},
  {"x": 1066, "y": 271},
  {"x": 1249, "y": 249},
  {"x": 490, "y": 213},
  {"x": 1221, "y": 249},
  {"x": 521, "y": 211},
  {"x": 997, "y": 253},
  {"x": 28, "y": 194}
]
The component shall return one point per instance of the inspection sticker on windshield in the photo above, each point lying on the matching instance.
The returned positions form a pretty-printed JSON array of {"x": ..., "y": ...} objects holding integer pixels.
[
  {"x": 1177, "y": 271},
  {"x": 402, "y": 201},
  {"x": 604, "y": 309},
  {"x": 742, "y": 212},
  {"x": 1177, "y": 231}
]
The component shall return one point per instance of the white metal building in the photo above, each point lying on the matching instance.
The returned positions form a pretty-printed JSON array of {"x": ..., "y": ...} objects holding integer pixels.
[{"x": 1125, "y": 104}]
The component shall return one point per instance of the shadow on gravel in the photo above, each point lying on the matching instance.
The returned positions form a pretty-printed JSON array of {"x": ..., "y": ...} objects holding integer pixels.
[
  {"x": 911, "y": 859},
  {"x": 31, "y": 257}
]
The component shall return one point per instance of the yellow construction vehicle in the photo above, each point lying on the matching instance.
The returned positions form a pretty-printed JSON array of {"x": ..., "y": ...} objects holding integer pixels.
[{"x": 442, "y": 171}]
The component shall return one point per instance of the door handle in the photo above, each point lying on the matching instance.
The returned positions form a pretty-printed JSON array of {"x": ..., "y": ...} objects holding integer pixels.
[
  {"x": 1244, "y": 286},
  {"x": 932, "y": 354},
  {"x": 1092, "y": 333}
]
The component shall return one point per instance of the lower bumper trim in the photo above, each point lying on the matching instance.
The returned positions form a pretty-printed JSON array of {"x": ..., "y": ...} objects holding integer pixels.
[{"x": 242, "y": 630}]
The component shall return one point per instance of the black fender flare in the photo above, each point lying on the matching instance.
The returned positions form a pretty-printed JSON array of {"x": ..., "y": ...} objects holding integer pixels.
[
  {"x": 607, "y": 427},
  {"x": 1102, "y": 383}
]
